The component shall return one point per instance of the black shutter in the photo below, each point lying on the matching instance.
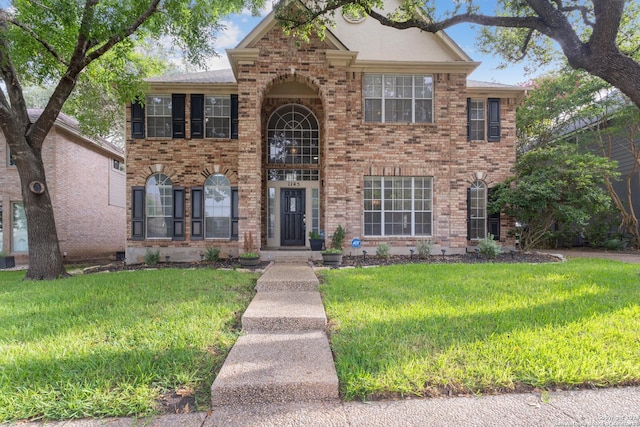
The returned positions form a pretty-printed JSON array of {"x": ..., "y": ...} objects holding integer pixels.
[
  {"x": 468, "y": 214},
  {"x": 235, "y": 216},
  {"x": 178, "y": 213},
  {"x": 234, "y": 116},
  {"x": 137, "y": 213},
  {"x": 197, "y": 116},
  {"x": 137, "y": 120},
  {"x": 468, "y": 119},
  {"x": 493, "y": 220},
  {"x": 177, "y": 115},
  {"x": 197, "y": 213},
  {"x": 494, "y": 120}
]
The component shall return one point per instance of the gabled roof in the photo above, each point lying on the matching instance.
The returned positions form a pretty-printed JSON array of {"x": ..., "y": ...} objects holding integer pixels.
[
  {"x": 72, "y": 126},
  {"x": 367, "y": 44},
  {"x": 213, "y": 76}
]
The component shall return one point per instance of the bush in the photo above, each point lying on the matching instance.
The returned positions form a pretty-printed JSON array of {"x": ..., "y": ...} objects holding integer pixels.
[
  {"x": 489, "y": 247},
  {"x": 616, "y": 244},
  {"x": 212, "y": 255},
  {"x": 152, "y": 257},
  {"x": 338, "y": 238},
  {"x": 383, "y": 251},
  {"x": 425, "y": 247}
]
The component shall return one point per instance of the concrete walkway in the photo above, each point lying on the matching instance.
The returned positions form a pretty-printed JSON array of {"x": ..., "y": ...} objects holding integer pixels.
[{"x": 283, "y": 355}]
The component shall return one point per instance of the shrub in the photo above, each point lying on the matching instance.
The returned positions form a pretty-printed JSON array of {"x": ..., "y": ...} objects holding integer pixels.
[
  {"x": 152, "y": 257},
  {"x": 383, "y": 251},
  {"x": 616, "y": 244},
  {"x": 212, "y": 255},
  {"x": 489, "y": 247},
  {"x": 314, "y": 235},
  {"x": 425, "y": 247},
  {"x": 338, "y": 238}
]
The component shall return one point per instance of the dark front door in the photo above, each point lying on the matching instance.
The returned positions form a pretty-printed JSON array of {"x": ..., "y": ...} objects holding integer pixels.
[{"x": 292, "y": 224}]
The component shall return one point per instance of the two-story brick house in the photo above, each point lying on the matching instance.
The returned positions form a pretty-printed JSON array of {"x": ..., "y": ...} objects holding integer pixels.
[
  {"x": 371, "y": 128},
  {"x": 86, "y": 181}
]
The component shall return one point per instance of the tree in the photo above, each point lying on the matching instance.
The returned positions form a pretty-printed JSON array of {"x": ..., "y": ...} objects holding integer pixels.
[
  {"x": 582, "y": 109},
  {"x": 58, "y": 42},
  {"x": 553, "y": 185},
  {"x": 601, "y": 37}
]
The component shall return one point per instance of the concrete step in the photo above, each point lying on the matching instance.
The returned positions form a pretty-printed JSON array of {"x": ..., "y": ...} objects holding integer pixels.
[
  {"x": 277, "y": 368},
  {"x": 288, "y": 277},
  {"x": 285, "y": 311}
]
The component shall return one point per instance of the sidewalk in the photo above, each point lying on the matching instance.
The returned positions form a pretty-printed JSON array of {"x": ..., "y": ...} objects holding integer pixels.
[{"x": 616, "y": 407}]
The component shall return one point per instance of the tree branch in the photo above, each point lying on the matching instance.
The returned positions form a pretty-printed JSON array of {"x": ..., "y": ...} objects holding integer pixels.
[
  {"x": 16, "y": 101},
  {"x": 35, "y": 36}
]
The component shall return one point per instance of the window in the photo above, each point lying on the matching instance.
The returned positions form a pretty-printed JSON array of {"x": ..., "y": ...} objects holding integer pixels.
[
  {"x": 118, "y": 165},
  {"x": 10, "y": 161},
  {"x": 477, "y": 206},
  {"x": 19, "y": 236},
  {"x": 217, "y": 207},
  {"x": 398, "y": 98},
  {"x": 159, "y": 206},
  {"x": 293, "y": 136},
  {"x": 158, "y": 109},
  {"x": 217, "y": 116},
  {"x": 398, "y": 206},
  {"x": 483, "y": 119},
  {"x": 476, "y": 119}
]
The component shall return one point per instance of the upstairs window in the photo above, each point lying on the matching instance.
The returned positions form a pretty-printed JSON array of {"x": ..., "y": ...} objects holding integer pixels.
[
  {"x": 158, "y": 109},
  {"x": 399, "y": 98},
  {"x": 217, "y": 116},
  {"x": 477, "y": 119}
]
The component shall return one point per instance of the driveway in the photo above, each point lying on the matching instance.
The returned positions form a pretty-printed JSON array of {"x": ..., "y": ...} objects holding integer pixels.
[{"x": 624, "y": 256}]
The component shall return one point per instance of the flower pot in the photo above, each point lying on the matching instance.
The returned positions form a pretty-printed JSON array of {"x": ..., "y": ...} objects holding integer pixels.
[
  {"x": 332, "y": 260},
  {"x": 7, "y": 262},
  {"x": 316, "y": 244},
  {"x": 249, "y": 262}
]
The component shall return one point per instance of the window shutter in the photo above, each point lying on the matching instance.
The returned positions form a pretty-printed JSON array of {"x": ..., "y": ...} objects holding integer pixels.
[
  {"x": 197, "y": 116},
  {"x": 178, "y": 213},
  {"x": 177, "y": 115},
  {"x": 137, "y": 213},
  {"x": 137, "y": 120},
  {"x": 468, "y": 214},
  {"x": 468, "y": 119},
  {"x": 235, "y": 216},
  {"x": 494, "y": 120},
  {"x": 197, "y": 213},
  {"x": 234, "y": 116},
  {"x": 493, "y": 220}
]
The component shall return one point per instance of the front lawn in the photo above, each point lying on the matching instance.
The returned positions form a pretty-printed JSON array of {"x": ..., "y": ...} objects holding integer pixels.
[
  {"x": 111, "y": 344},
  {"x": 432, "y": 329}
]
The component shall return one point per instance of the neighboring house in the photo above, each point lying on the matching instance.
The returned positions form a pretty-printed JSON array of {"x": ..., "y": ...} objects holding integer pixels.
[
  {"x": 86, "y": 181},
  {"x": 372, "y": 128}
]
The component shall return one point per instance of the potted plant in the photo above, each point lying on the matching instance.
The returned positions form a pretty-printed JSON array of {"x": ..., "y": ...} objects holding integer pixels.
[
  {"x": 333, "y": 255},
  {"x": 315, "y": 241},
  {"x": 6, "y": 260},
  {"x": 250, "y": 257}
]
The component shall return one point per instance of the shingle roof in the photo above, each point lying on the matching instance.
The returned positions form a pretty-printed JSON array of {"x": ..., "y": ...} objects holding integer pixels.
[
  {"x": 480, "y": 84},
  {"x": 213, "y": 76}
]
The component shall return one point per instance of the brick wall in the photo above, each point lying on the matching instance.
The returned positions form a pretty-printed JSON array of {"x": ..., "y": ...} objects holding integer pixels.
[
  {"x": 350, "y": 148},
  {"x": 77, "y": 178}
]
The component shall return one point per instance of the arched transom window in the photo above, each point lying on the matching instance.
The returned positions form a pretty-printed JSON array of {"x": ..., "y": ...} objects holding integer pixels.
[
  {"x": 217, "y": 207},
  {"x": 293, "y": 136},
  {"x": 159, "y": 206}
]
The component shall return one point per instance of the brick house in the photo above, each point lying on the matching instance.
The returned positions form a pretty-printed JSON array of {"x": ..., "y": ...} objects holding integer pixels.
[
  {"x": 372, "y": 128},
  {"x": 86, "y": 182}
]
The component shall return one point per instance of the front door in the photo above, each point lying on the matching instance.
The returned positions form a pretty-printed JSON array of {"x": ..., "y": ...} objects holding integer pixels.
[{"x": 292, "y": 224}]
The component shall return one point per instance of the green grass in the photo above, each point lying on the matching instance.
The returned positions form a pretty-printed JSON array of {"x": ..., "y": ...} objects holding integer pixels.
[
  {"x": 111, "y": 344},
  {"x": 431, "y": 329}
]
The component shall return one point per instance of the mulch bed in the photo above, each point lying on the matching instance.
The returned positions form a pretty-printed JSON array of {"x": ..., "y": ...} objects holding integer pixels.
[{"x": 516, "y": 257}]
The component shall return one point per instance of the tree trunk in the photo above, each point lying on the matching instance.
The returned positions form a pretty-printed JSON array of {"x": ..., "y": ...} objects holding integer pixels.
[{"x": 45, "y": 260}]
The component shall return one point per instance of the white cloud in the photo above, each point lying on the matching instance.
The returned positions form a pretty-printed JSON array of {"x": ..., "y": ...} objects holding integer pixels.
[{"x": 229, "y": 37}]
